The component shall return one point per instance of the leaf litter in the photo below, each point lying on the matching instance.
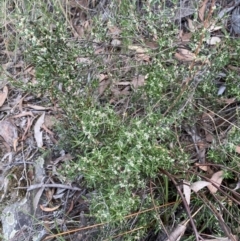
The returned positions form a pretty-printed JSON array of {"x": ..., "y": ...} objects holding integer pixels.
[{"x": 140, "y": 54}]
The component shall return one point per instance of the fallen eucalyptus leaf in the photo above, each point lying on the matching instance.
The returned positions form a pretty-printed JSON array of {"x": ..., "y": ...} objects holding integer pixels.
[
  {"x": 216, "y": 178},
  {"x": 237, "y": 149},
  {"x": 187, "y": 191},
  {"x": 213, "y": 40},
  {"x": 9, "y": 132},
  {"x": 3, "y": 95},
  {"x": 221, "y": 90},
  {"x": 37, "y": 132},
  {"x": 138, "y": 81},
  {"x": 196, "y": 186},
  {"x": 202, "y": 9},
  {"x": 116, "y": 43},
  {"x": 177, "y": 233},
  {"x": 185, "y": 55}
]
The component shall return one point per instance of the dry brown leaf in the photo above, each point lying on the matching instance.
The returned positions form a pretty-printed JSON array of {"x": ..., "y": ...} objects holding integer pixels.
[
  {"x": 46, "y": 209},
  {"x": 209, "y": 137},
  {"x": 37, "y": 132},
  {"x": 141, "y": 50},
  {"x": 116, "y": 43},
  {"x": 99, "y": 50},
  {"x": 82, "y": 60},
  {"x": 113, "y": 30},
  {"x": 190, "y": 25},
  {"x": 64, "y": 158},
  {"x": 135, "y": 47},
  {"x": 151, "y": 44},
  {"x": 29, "y": 123},
  {"x": 5, "y": 186},
  {"x": 207, "y": 118},
  {"x": 77, "y": 4},
  {"x": 102, "y": 77},
  {"x": 138, "y": 81},
  {"x": 203, "y": 167},
  {"x": 30, "y": 70},
  {"x": 216, "y": 178},
  {"x": 213, "y": 40},
  {"x": 226, "y": 101},
  {"x": 138, "y": 49},
  {"x": 3, "y": 95},
  {"x": 187, "y": 191},
  {"x": 177, "y": 233},
  {"x": 9, "y": 132},
  {"x": 37, "y": 197},
  {"x": 49, "y": 194},
  {"x": 87, "y": 25},
  {"x": 196, "y": 186},
  {"x": 201, "y": 153},
  {"x": 143, "y": 57},
  {"x": 123, "y": 83},
  {"x": 79, "y": 31},
  {"x": 103, "y": 85},
  {"x": 50, "y": 121},
  {"x": 233, "y": 68},
  {"x": 186, "y": 37},
  {"x": 30, "y": 173},
  {"x": 202, "y": 9},
  {"x": 185, "y": 55},
  {"x": 141, "y": 53},
  {"x": 237, "y": 149},
  {"x": 214, "y": 28},
  {"x": 117, "y": 93}
]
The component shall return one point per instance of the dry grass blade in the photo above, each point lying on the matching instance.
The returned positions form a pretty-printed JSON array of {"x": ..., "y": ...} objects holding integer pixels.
[{"x": 46, "y": 209}]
